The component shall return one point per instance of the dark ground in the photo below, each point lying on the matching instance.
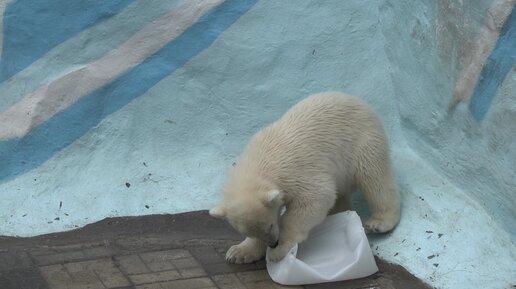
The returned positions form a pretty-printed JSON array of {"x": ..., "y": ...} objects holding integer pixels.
[{"x": 152, "y": 252}]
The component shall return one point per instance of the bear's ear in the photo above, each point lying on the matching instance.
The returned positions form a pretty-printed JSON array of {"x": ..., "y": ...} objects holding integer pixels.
[
  {"x": 273, "y": 196},
  {"x": 218, "y": 212}
]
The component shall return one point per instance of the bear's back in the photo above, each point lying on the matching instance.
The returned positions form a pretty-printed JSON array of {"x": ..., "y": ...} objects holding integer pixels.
[{"x": 318, "y": 134}]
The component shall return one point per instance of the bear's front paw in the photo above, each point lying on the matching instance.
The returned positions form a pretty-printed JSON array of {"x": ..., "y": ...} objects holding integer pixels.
[
  {"x": 243, "y": 253},
  {"x": 278, "y": 253}
]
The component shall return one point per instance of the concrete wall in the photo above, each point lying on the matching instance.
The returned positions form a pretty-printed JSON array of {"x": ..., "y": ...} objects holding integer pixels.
[{"x": 132, "y": 108}]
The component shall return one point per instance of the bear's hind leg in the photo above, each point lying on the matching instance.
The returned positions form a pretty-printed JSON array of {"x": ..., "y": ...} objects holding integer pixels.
[{"x": 375, "y": 179}]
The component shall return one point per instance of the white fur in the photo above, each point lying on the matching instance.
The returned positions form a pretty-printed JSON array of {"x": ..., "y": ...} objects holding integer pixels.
[{"x": 310, "y": 160}]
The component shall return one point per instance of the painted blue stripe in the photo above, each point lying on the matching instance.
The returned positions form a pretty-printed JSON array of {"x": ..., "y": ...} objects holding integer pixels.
[
  {"x": 20, "y": 155},
  {"x": 498, "y": 65},
  {"x": 33, "y": 27}
]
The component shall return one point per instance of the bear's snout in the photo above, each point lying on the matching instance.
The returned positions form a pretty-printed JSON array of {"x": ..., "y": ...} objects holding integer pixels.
[{"x": 274, "y": 245}]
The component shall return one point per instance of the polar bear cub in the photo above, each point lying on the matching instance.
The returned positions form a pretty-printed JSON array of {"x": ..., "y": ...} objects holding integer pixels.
[{"x": 307, "y": 164}]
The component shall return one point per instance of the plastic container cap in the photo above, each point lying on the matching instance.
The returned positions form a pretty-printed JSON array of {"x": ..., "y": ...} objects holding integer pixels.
[{"x": 335, "y": 250}]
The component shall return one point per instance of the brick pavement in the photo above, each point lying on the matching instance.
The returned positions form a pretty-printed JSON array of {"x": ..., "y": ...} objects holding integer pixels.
[{"x": 152, "y": 252}]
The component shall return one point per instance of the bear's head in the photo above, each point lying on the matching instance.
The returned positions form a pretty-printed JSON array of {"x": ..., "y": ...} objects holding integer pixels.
[{"x": 254, "y": 216}]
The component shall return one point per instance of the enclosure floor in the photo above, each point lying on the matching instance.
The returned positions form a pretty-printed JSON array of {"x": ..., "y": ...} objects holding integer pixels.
[{"x": 151, "y": 252}]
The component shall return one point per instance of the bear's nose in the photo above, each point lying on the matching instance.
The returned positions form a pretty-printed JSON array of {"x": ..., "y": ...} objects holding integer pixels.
[{"x": 274, "y": 245}]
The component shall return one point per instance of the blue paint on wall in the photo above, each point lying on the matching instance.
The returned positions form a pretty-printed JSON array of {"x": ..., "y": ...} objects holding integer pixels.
[
  {"x": 33, "y": 27},
  {"x": 498, "y": 65},
  {"x": 21, "y": 155}
]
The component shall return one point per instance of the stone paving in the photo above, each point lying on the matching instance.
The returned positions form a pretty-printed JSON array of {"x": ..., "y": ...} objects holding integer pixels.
[{"x": 152, "y": 252}]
